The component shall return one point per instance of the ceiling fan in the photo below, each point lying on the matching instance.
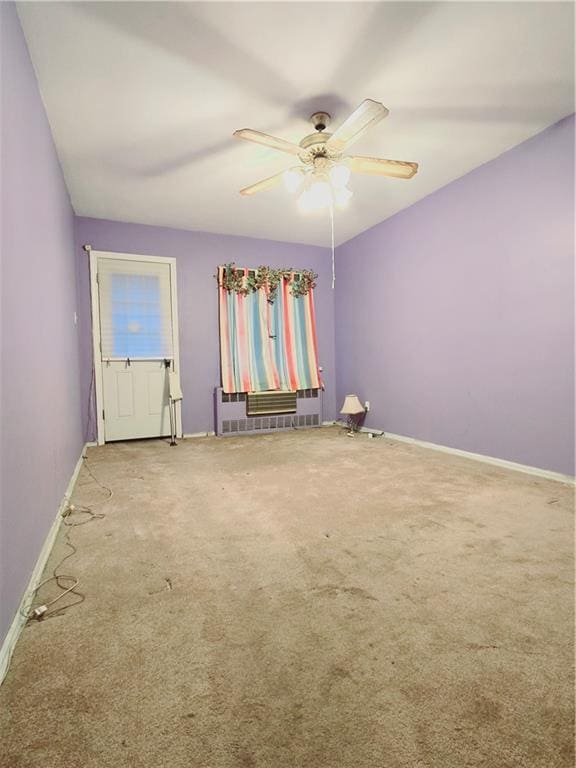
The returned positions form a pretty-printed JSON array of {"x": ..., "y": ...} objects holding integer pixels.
[{"x": 321, "y": 178}]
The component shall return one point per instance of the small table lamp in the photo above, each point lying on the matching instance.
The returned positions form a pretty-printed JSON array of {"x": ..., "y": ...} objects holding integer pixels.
[{"x": 352, "y": 408}]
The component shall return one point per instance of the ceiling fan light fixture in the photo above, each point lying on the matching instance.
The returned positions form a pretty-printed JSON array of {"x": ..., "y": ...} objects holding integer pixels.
[
  {"x": 292, "y": 179},
  {"x": 321, "y": 181},
  {"x": 317, "y": 197},
  {"x": 321, "y": 193},
  {"x": 339, "y": 176}
]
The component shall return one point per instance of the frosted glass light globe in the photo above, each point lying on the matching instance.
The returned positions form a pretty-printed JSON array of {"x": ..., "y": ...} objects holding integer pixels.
[
  {"x": 316, "y": 197},
  {"x": 339, "y": 176},
  {"x": 292, "y": 180},
  {"x": 321, "y": 194}
]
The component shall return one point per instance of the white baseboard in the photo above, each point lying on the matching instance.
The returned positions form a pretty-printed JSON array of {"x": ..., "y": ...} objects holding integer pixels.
[
  {"x": 19, "y": 621},
  {"x": 504, "y": 463}
]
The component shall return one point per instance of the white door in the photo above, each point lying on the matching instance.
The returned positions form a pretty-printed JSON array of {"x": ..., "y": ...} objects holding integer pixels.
[{"x": 137, "y": 347}]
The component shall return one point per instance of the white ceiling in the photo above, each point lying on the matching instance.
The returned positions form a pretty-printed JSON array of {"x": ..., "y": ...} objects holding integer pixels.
[{"x": 143, "y": 98}]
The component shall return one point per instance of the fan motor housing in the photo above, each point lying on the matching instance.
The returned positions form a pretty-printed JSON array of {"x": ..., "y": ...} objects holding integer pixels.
[
  {"x": 315, "y": 144},
  {"x": 315, "y": 140}
]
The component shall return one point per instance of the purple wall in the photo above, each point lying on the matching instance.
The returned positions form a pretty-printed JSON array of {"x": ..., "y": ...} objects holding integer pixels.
[
  {"x": 455, "y": 317},
  {"x": 41, "y": 436},
  {"x": 198, "y": 254}
]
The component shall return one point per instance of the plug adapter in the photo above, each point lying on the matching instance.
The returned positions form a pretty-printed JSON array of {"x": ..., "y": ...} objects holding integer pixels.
[{"x": 68, "y": 510}]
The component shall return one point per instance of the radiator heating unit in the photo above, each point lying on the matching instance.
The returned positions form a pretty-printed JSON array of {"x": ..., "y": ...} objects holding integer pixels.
[{"x": 250, "y": 413}]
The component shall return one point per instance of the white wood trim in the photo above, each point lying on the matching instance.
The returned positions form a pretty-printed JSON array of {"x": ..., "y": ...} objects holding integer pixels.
[
  {"x": 19, "y": 621},
  {"x": 176, "y": 341},
  {"x": 198, "y": 434},
  {"x": 97, "y": 357},
  {"x": 504, "y": 463},
  {"x": 135, "y": 257}
]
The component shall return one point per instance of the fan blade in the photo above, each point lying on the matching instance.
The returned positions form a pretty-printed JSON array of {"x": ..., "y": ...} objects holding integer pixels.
[
  {"x": 365, "y": 116},
  {"x": 397, "y": 169},
  {"x": 269, "y": 141},
  {"x": 260, "y": 186}
]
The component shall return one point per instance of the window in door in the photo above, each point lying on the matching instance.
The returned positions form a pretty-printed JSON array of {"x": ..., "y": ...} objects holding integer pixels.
[{"x": 135, "y": 310}]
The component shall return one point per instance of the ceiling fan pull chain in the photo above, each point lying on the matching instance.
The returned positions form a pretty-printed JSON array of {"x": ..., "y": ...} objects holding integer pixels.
[{"x": 332, "y": 232}]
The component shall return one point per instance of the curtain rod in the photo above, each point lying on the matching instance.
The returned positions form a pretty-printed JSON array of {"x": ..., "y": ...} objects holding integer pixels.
[{"x": 255, "y": 269}]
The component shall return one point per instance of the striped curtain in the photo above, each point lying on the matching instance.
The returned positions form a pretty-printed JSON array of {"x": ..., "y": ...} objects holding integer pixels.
[
  {"x": 267, "y": 346},
  {"x": 293, "y": 324}
]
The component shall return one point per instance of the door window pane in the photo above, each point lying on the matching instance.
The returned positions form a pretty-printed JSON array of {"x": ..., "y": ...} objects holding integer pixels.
[
  {"x": 135, "y": 309},
  {"x": 136, "y": 316}
]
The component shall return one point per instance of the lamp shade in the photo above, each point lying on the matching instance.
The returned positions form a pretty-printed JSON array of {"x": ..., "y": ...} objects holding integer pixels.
[{"x": 352, "y": 405}]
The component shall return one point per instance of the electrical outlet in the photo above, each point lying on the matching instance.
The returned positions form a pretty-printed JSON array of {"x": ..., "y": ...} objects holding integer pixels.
[{"x": 367, "y": 405}]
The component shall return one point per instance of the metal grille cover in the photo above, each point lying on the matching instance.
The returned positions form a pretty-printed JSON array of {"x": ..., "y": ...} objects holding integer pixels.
[
  {"x": 258, "y": 403},
  {"x": 232, "y": 419}
]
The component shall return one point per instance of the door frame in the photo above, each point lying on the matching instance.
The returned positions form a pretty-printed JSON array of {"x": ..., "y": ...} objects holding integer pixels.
[{"x": 96, "y": 351}]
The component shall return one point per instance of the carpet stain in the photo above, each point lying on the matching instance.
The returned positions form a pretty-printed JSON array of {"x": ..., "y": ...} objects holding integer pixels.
[
  {"x": 252, "y": 711},
  {"x": 479, "y": 647},
  {"x": 484, "y": 710},
  {"x": 333, "y": 590},
  {"x": 213, "y": 630}
]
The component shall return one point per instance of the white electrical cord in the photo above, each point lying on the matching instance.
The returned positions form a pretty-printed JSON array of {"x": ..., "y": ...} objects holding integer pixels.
[
  {"x": 104, "y": 487},
  {"x": 41, "y": 611},
  {"x": 332, "y": 232}
]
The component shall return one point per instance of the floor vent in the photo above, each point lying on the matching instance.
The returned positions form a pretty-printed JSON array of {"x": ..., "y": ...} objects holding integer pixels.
[{"x": 234, "y": 418}]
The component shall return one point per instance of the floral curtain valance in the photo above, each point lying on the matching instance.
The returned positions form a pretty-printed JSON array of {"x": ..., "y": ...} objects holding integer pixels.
[
  {"x": 246, "y": 281},
  {"x": 267, "y": 329}
]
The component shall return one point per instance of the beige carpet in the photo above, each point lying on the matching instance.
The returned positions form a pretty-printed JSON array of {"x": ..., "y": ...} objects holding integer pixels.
[{"x": 304, "y": 600}]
